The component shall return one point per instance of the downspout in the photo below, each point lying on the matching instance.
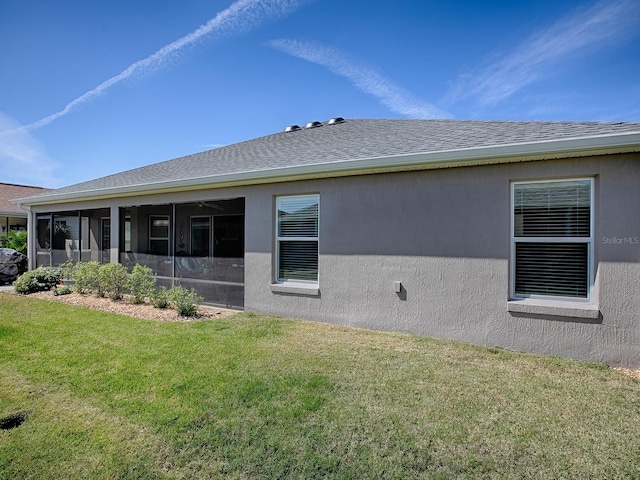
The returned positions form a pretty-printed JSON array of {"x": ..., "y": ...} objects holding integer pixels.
[
  {"x": 31, "y": 237},
  {"x": 172, "y": 241},
  {"x": 79, "y": 237}
]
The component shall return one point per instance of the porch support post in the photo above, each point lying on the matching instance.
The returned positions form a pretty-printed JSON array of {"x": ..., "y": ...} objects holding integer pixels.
[
  {"x": 172, "y": 243},
  {"x": 115, "y": 234}
]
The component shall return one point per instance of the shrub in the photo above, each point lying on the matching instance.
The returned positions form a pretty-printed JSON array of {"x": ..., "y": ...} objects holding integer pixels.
[
  {"x": 39, "y": 280},
  {"x": 160, "y": 298},
  {"x": 87, "y": 277},
  {"x": 141, "y": 283},
  {"x": 113, "y": 280},
  {"x": 185, "y": 301},
  {"x": 62, "y": 290}
]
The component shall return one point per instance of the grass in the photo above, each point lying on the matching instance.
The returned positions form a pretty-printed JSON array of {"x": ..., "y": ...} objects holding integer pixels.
[{"x": 106, "y": 396}]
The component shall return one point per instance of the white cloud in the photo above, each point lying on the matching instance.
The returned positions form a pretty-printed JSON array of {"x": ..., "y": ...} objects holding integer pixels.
[
  {"x": 240, "y": 17},
  {"x": 591, "y": 28},
  {"x": 22, "y": 158},
  {"x": 394, "y": 97}
]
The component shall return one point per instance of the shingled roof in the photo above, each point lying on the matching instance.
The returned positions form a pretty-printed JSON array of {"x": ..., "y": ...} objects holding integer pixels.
[
  {"x": 11, "y": 191},
  {"x": 360, "y": 146}
]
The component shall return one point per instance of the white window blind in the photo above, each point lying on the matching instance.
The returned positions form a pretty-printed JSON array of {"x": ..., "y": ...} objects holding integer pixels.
[
  {"x": 552, "y": 239},
  {"x": 297, "y": 238}
]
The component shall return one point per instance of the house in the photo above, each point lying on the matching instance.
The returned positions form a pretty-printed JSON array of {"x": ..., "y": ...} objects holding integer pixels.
[
  {"x": 521, "y": 235},
  {"x": 11, "y": 216}
]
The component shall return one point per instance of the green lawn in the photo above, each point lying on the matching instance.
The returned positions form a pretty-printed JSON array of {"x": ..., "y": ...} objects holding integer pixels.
[{"x": 107, "y": 396}]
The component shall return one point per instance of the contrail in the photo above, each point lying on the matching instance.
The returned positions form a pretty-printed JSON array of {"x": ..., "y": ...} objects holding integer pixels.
[
  {"x": 240, "y": 17},
  {"x": 396, "y": 98},
  {"x": 604, "y": 22}
]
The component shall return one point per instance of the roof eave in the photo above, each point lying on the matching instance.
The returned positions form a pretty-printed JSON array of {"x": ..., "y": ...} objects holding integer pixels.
[
  {"x": 509, "y": 153},
  {"x": 12, "y": 213}
]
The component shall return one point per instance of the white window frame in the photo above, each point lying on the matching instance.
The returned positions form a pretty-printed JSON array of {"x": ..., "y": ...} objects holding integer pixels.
[
  {"x": 316, "y": 239},
  {"x": 588, "y": 240}
]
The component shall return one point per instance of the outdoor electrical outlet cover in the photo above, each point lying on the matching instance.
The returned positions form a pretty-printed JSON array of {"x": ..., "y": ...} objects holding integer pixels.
[{"x": 397, "y": 286}]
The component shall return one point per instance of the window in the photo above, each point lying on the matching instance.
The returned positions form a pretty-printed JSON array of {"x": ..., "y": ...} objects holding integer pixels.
[
  {"x": 228, "y": 236},
  {"x": 552, "y": 239},
  {"x": 159, "y": 234},
  {"x": 297, "y": 238}
]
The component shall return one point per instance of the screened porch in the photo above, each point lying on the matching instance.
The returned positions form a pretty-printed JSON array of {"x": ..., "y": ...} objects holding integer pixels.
[{"x": 196, "y": 245}]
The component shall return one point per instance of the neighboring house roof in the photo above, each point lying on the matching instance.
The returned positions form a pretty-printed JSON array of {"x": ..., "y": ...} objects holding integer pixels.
[
  {"x": 10, "y": 191},
  {"x": 361, "y": 146}
]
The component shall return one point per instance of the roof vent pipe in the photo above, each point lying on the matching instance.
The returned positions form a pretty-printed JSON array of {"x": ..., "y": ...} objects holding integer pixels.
[
  {"x": 335, "y": 120},
  {"x": 313, "y": 125},
  {"x": 292, "y": 128}
]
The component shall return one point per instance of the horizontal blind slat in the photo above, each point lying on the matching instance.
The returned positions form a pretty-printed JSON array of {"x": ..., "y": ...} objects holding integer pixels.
[
  {"x": 298, "y": 216},
  {"x": 561, "y": 209},
  {"x": 298, "y": 260},
  {"x": 559, "y": 269}
]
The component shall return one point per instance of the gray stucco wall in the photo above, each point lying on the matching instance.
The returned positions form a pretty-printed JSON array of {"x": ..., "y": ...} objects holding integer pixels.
[{"x": 445, "y": 234}]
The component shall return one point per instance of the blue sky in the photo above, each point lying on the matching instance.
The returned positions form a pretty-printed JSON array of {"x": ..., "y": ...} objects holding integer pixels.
[{"x": 89, "y": 88}]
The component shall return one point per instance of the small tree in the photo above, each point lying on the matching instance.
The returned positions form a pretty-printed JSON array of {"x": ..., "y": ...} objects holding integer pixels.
[
  {"x": 185, "y": 301},
  {"x": 160, "y": 298},
  {"x": 87, "y": 277},
  {"x": 141, "y": 283},
  {"x": 68, "y": 270},
  {"x": 113, "y": 280},
  {"x": 16, "y": 240}
]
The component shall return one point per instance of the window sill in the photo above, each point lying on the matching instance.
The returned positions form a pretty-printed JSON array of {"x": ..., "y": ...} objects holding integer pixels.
[
  {"x": 311, "y": 290},
  {"x": 554, "y": 308}
]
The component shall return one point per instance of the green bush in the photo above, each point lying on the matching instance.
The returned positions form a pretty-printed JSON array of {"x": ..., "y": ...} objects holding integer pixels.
[
  {"x": 140, "y": 283},
  {"x": 160, "y": 298},
  {"x": 39, "y": 280},
  {"x": 185, "y": 301},
  {"x": 113, "y": 280},
  {"x": 87, "y": 277}
]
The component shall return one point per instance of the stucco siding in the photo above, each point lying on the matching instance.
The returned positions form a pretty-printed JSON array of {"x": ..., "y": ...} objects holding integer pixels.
[{"x": 445, "y": 234}]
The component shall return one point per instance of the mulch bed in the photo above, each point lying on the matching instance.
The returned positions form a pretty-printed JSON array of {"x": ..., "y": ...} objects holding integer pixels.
[{"x": 125, "y": 307}]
